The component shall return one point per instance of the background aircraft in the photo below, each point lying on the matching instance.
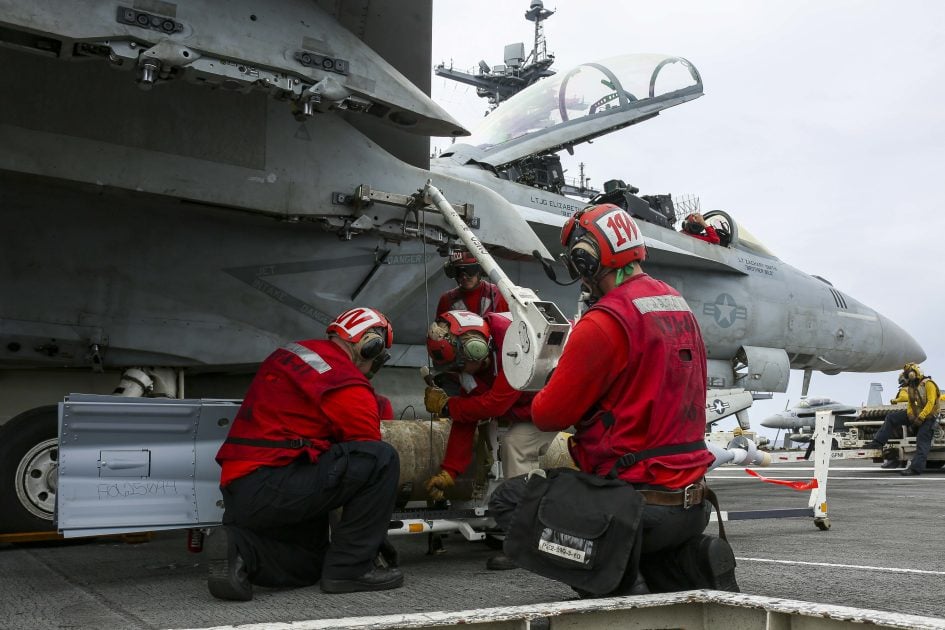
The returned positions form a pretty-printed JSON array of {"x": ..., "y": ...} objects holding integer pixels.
[
  {"x": 197, "y": 223},
  {"x": 800, "y": 429}
]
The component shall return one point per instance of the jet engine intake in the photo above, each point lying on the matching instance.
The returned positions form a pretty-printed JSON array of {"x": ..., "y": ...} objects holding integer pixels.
[{"x": 760, "y": 369}]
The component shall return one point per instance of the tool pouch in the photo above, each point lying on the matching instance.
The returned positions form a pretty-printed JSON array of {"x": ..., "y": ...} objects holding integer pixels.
[{"x": 577, "y": 528}]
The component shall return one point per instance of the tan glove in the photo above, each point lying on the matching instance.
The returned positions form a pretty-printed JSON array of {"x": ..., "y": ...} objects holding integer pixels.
[
  {"x": 435, "y": 399},
  {"x": 438, "y": 484}
]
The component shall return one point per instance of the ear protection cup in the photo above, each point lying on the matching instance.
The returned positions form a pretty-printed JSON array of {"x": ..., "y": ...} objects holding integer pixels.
[
  {"x": 475, "y": 348},
  {"x": 449, "y": 270},
  {"x": 371, "y": 345},
  {"x": 585, "y": 258}
]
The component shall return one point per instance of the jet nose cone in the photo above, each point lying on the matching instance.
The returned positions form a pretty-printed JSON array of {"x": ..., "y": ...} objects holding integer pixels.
[
  {"x": 897, "y": 348},
  {"x": 770, "y": 422}
]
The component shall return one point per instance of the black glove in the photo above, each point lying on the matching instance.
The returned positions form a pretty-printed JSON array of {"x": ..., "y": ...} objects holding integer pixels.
[{"x": 388, "y": 553}]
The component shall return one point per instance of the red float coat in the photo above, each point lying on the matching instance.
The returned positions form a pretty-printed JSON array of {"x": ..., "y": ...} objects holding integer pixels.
[
  {"x": 485, "y": 298},
  {"x": 651, "y": 381},
  {"x": 307, "y": 390},
  {"x": 492, "y": 397},
  {"x": 710, "y": 236}
]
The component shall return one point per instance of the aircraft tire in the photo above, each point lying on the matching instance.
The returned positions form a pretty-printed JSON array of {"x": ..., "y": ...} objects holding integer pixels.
[{"x": 29, "y": 466}]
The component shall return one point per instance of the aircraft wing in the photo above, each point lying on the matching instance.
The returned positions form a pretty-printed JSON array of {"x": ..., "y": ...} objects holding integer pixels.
[
  {"x": 292, "y": 49},
  {"x": 588, "y": 101}
]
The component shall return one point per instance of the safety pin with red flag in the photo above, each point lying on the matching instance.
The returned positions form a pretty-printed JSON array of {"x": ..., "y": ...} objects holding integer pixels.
[{"x": 794, "y": 485}]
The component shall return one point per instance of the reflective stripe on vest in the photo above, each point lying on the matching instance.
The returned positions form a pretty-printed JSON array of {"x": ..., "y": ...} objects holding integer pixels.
[
  {"x": 312, "y": 358},
  {"x": 486, "y": 302},
  {"x": 661, "y": 303}
]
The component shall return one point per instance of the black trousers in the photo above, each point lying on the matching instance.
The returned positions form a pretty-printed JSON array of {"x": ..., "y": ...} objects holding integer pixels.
[
  {"x": 923, "y": 436},
  {"x": 278, "y": 516},
  {"x": 664, "y": 529}
]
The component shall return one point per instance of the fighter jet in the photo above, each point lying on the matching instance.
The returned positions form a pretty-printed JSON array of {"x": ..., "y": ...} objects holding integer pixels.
[
  {"x": 799, "y": 419},
  {"x": 184, "y": 188},
  {"x": 760, "y": 317}
]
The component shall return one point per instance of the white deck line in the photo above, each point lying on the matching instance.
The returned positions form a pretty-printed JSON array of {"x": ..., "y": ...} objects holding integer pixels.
[{"x": 843, "y": 566}]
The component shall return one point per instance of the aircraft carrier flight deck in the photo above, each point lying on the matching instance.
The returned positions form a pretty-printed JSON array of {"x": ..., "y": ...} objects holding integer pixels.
[{"x": 885, "y": 550}]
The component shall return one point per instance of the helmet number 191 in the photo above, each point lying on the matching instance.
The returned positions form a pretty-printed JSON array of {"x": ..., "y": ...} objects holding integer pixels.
[{"x": 620, "y": 232}]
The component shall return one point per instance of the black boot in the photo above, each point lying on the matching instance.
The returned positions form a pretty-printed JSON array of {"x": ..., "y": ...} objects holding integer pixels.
[
  {"x": 890, "y": 463},
  {"x": 500, "y": 562},
  {"x": 228, "y": 578},
  {"x": 708, "y": 562},
  {"x": 719, "y": 561},
  {"x": 377, "y": 579}
]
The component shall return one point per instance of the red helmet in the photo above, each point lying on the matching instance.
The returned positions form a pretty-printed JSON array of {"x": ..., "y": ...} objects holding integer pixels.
[
  {"x": 367, "y": 328},
  {"x": 462, "y": 257},
  {"x": 461, "y": 260},
  {"x": 602, "y": 236},
  {"x": 457, "y": 337}
]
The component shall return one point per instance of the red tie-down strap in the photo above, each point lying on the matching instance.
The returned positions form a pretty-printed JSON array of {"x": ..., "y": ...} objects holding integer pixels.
[{"x": 794, "y": 485}]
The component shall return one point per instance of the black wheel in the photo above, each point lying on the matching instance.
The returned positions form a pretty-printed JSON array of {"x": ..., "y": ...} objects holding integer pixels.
[
  {"x": 29, "y": 471},
  {"x": 936, "y": 464}
]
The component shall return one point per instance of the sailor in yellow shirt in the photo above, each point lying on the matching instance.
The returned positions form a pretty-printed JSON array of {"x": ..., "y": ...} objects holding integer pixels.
[{"x": 924, "y": 400}]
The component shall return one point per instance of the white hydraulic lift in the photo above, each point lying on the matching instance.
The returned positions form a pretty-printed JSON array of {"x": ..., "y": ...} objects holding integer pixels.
[{"x": 822, "y": 454}]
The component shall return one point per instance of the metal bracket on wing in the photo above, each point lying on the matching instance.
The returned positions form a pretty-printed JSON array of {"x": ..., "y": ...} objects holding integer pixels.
[{"x": 411, "y": 225}]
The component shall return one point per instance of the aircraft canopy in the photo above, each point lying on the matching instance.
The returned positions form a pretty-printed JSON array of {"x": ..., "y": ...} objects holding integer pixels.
[{"x": 587, "y": 101}]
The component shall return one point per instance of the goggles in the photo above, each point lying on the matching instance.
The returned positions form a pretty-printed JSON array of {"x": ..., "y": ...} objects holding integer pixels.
[{"x": 468, "y": 270}]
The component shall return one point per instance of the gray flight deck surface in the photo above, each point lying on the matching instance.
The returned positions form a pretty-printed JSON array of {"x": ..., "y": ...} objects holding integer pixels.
[{"x": 885, "y": 551}]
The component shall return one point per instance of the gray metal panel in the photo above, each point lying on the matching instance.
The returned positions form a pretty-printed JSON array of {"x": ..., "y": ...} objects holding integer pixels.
[
  {"x": 176, "y": 119},
  {"x": 124, "y": 463},
  {"x": 215, "y": 419},
  {"x": 90, "y": 503},
  {"x": 264, "y": 43}
]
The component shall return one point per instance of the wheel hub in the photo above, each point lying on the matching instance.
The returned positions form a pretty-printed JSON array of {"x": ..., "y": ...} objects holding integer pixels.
[{"x": 37, "y": 478}]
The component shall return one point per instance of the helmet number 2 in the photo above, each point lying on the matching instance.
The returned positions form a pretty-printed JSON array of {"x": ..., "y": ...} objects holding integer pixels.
[{"x": 620, "y": 232}]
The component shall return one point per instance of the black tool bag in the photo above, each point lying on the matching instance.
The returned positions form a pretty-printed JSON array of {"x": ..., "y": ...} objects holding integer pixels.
[{"x": 577, "y": 528}]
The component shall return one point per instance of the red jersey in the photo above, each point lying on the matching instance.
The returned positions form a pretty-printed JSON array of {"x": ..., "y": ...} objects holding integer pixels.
[
  {"x": 647, "y": 390},
  {"x": 309, "y": 392},
  {"x": 485, "y": 298},
  {"x": 710, "y": 236}
]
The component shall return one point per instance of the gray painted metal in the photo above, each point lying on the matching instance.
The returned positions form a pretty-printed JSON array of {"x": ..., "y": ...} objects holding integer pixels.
[
  {"x": 139, "y": 464},
  {"x": 147, "y": 464},
  {"x": 262, "y": 57}
]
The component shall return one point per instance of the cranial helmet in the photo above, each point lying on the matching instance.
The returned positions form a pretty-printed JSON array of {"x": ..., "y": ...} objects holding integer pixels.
[
  {"x": 461, "y": 262},
  {"x": 366, "y": 328},
  {"x": 457, "y": 337},
  {"x": 601, "y": 237},
  {"x": 912, "y": 367},
  {"x": 689, "y": 225}
]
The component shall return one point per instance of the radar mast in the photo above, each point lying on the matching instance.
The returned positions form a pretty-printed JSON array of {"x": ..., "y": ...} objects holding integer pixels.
[{"x": 500, "y": 82}]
